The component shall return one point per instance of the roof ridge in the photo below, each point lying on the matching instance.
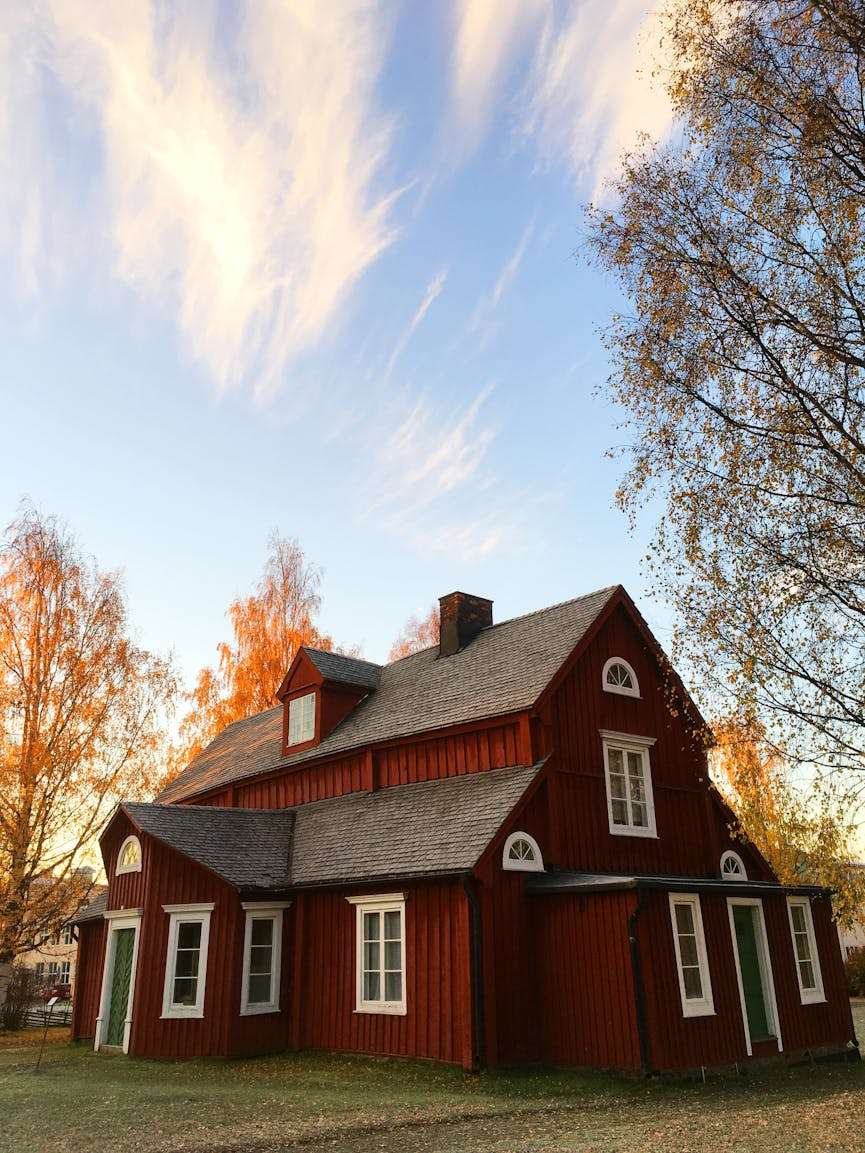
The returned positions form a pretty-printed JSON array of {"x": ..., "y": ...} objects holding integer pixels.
[
  {"x": 511, "y": 620},
  {"x": 343, "y": 656},
  {"x": 480, "y": 775}
]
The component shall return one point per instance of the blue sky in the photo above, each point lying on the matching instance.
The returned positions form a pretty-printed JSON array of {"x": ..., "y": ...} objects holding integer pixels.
[{"x": 312, "y": 268}]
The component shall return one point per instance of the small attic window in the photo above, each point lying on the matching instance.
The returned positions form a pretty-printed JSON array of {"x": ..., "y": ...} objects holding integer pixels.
[
  {"x": 522, "y": 854},
  {"x": 301, "y": 719},
  {"x": 733, "y": 867},
  {"x": 129, "y": 857},
  {"x": 619, "y": 677}
]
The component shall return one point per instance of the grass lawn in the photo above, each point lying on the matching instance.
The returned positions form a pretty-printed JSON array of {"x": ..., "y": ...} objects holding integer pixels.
[{"x": 84, "y": 1101}]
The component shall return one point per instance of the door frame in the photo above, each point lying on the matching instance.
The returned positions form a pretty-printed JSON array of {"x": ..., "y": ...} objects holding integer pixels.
[
  {"x": 765, "y": 962},
  {"x": 117, "y": 919}
]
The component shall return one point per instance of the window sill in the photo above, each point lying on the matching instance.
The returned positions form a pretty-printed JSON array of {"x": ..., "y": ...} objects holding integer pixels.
[
  {"x": 383, "y": 1010},
  {"x": 698, "y": 1011},
  {"x": 646, "y": 834},
  {"x": 181, "y": 1015},
  {"x": 258, "y": 1010},
  {"x": 806, "y": 1000}
]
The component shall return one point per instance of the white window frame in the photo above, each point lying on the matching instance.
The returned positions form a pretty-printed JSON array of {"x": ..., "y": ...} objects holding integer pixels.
[
  {"x": 262, "y": 911},
  {"x": 536, "y": 865},
  {"x": 766, "y": 975},
  {"x": 378, "y": 903},
  {"x": 730, "y": 855},
  {"x": 693, "y": 1006},
  {"x": 816, "y": 995},
  {"x": 179, "y": 915},
  {"x": 622, "y": 690},
  {"x": 117, "y": 919},
  {"x": 135, "y": 867},
  {"x": 633, "y": 744},
  {"x": 297, "y": 701}
]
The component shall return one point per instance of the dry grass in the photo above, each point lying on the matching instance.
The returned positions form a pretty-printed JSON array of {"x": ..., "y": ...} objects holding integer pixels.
[{"x": 80, "y": 1100}]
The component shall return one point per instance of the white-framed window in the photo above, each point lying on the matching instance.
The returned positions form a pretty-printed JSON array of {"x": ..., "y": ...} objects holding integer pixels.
[
  {"x": 692, "y": 962},
  {"x": 619, "y": 677},
  {"x": 301, "y": 719},
  {"x": 129, "y": 857},
  {"x": 64, "y": 971},
  {"x": 522, "y": 854},
  {"x": 66, "y": 935},
  {"x": 186, "y": 960},
  {"x": 380, "y": 953},
  {"x": 733, "y": 867},
  {"x": 805, "y": 950},
  {"x": 630, "y": 802},
  {"x": 262, "y": 957}
]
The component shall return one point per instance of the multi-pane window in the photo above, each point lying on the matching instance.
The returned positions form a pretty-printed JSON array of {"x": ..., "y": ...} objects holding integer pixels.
[
  {"x": 381, "y": 954},
  {"x": 262, "y": 958},
  {"x": 65, "y": 970},
  {"x": 186, "y": 962},
  {"x": 695, "y": 984},
  {"x": 805, "y": 950},
  {"x": 733, "y": 867},
  {"x": 301, "y": 719},
  {"x": 629, "y": 786}
]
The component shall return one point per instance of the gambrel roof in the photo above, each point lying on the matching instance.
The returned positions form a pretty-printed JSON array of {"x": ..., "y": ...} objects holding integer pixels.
[
  {"x": 504, "y": 670},
  {"x": 432, "y": 828}
]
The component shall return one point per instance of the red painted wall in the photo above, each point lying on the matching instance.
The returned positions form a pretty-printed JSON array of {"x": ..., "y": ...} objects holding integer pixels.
[
  {"x": 88, "y": 979},
  {"x": 692, "y": 832},
  {"x": 585, "y": 988},
  {"x": 438, "y": 1021},
  {"x": 689, "y": 1042}
]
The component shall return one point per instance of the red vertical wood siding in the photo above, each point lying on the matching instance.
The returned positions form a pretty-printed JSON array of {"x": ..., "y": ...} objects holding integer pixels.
[
  {"x": 582, "y": 967},
  {"x": 437, "y": 1023},
  {"x": 679, "y": 1042},
  {"x": 691, "y": 830},
  {"x": 487, "y": 746},
  {"x": 88, "y": 979}
]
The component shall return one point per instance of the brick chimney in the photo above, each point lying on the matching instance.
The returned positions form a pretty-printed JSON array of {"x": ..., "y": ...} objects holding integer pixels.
[{"x": 462, "y": 618}]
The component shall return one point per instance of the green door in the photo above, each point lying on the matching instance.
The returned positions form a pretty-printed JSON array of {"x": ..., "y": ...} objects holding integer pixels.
[
  {"x": 749, "y": 965},
  {"x": 124, "y": 944}
]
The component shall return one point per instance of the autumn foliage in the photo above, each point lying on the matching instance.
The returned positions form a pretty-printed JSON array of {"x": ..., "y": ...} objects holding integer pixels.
[
  {"x": 417, "y": 633},
  {"x": 268, "y": 628},
  {"x": 81, "y": 711},
  {"x": 806, "y": 834}
]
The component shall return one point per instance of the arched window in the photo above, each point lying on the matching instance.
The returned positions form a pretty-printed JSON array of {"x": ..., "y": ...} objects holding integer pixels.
[
  {"x": 619, "y": 677},
  {"x": 733, "y": 867},
  {"x": 129, "y": 857},
  {"x": 521, "y": 853}
]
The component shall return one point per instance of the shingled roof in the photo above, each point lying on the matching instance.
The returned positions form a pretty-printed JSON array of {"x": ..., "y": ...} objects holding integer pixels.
[
  {"x": 504, "y": 669},
  {"x": 432, "y": 828},
  {"x": 249, "y": 848},
  {"x": 345, "y": 670}
]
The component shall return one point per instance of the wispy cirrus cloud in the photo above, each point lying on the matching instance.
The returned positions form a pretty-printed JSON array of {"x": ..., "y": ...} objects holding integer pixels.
[
  {"x": 433, "y": 291},
  {"x": 434, "y": 450},
  {"x": 239, "y": 157},
  {"x": 577, "y": 76},
  {"x": 482, "y": 322}
]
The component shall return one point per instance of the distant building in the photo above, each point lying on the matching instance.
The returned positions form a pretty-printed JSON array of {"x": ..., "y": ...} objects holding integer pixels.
[
  {"x": 53, "y": 959},
  {"x": 853, "y": 938}
]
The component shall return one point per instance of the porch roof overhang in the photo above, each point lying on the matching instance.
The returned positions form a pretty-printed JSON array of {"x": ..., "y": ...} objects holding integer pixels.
[{"x": 546, "y": 884}]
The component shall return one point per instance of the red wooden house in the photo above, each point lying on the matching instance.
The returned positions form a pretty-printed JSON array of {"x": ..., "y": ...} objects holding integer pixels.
[{"x": 503, "y": 849}]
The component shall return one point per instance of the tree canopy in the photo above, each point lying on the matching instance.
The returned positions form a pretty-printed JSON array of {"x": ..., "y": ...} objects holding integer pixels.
[
  {"x": 419, "y": 632},
  {"x": 81, "y": 712},
  {"x": 268, "y": 627},
  {"x": 740, "y": 247}
]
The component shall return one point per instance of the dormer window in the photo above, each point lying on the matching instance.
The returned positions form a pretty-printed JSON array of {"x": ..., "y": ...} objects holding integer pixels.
[
  {"x": 301, "y": 719},
  {"x": 619, "y": 677}
]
